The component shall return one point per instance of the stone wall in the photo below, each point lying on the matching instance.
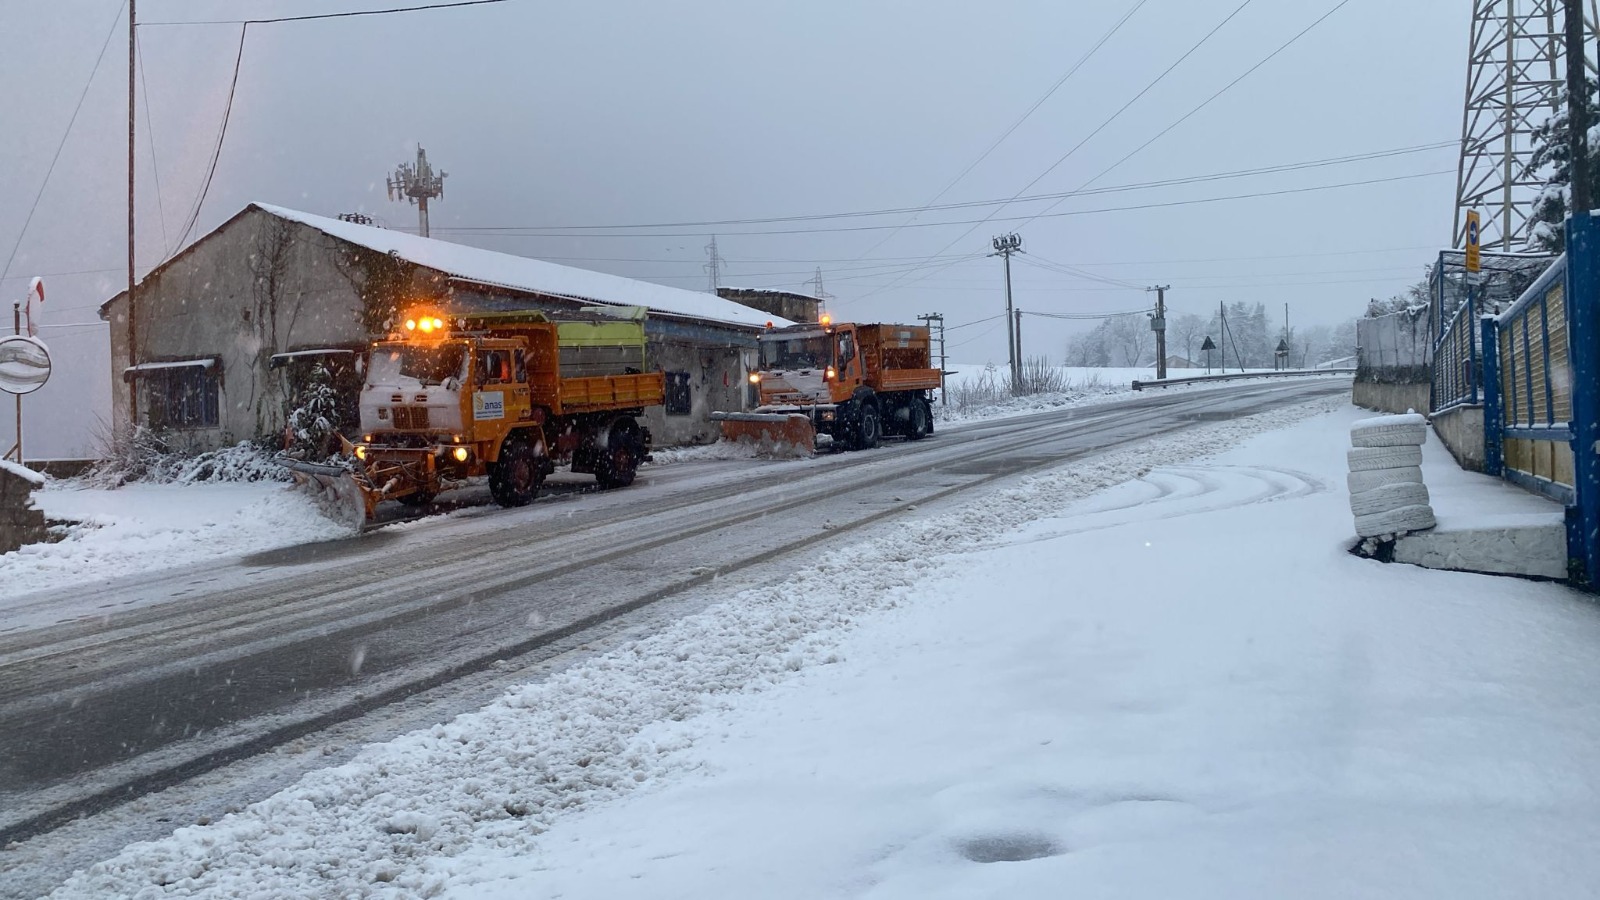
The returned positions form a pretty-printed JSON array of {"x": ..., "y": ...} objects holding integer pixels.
[{"x": 20, "y": 523}]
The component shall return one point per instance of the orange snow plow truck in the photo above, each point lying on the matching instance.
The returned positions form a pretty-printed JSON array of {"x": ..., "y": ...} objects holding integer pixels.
[
  {"x": 854, "y": 383},
  {"x": 453, "y": 396}
]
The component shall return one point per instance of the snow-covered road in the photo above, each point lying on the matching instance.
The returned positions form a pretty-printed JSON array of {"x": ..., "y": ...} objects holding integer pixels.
[
  {"x": 221, "y": 662},
  {"x": 1181, "y": 686}
]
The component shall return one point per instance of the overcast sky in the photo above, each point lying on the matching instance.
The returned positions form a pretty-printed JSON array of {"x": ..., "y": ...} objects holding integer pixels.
[{"x": 552, "y": 115}]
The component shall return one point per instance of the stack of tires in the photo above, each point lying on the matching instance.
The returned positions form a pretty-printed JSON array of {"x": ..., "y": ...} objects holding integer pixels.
[{"x": 1387, "y": 495}]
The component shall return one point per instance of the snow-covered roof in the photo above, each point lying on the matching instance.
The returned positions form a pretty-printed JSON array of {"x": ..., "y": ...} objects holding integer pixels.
[{"x": 533, "y": 275}]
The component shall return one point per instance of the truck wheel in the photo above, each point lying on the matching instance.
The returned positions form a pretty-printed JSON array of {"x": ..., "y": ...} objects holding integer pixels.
[
  {"x": 514, "y": 479},
  {"x": 870, "y": 428},
  {"x": 920, "y": 420},
  {"x": 619, "y": 462}
]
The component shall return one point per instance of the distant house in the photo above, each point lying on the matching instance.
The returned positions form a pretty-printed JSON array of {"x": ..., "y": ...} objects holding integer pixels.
[
  {"x": 229, "y": 329},
  {"x": 782, "y": 304},
  {"x": 1178, "y": 362}
]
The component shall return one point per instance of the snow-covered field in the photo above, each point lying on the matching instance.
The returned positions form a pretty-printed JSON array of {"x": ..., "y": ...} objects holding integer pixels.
[{"x": 1178, "y": 686}]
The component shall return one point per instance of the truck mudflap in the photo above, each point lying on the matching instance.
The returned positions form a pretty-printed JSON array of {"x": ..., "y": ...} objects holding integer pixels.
[{"x": 779, "y": 434}]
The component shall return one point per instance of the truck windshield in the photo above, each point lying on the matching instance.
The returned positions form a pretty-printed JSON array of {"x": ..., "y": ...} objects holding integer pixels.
[
  {"x": 798, "y": 352},
  {"x": 428, "y": 364}
]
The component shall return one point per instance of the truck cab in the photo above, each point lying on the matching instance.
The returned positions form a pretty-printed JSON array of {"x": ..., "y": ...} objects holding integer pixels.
[{"x": 856, "y": 382}]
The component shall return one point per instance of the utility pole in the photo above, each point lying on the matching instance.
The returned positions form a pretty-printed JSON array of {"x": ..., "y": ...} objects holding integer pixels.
[
  {"x": 1004, "y": 246},
  {"x": 1017, "y": 315},
  {"x": 1577, "y": 109},
  {"x": 418, "y": 184},
  {"x": 1222, "y": 330},
  {"x": 16, "y": 328},
  {"x": 133, "y": 316},
  {"x": 714, "y": 267},
  {"x": 1158, "y": 324},
  {"x": 935, "y": 323}
]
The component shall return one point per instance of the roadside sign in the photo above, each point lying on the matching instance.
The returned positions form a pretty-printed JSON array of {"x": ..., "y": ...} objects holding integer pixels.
[
  {"x": 1208, "y": 345},
  {"x": 24, "y": 364},
  {"x": 1473, "y": 253}
]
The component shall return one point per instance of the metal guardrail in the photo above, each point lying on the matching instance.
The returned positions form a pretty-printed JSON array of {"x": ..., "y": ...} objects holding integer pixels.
[{"x": 1201, "y": 379}]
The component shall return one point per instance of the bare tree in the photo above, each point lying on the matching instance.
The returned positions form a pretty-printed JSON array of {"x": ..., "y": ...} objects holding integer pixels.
[{"x": 1132, "y": 338}]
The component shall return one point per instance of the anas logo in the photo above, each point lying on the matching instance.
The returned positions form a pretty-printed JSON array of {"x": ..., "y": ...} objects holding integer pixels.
[{"x": 488, "y": 406}]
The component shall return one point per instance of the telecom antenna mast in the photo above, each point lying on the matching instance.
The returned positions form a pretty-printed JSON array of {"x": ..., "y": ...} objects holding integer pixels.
[
  {"x": 1514, "y": 79},
  {"x": 418, "y": 184}
]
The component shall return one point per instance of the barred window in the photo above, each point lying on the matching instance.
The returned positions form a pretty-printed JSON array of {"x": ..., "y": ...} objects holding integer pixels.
[{"x": 182, "y": 397}]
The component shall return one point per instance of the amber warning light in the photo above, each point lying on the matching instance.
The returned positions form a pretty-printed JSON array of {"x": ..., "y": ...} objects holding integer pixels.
[{"x": 425, "y": 324}]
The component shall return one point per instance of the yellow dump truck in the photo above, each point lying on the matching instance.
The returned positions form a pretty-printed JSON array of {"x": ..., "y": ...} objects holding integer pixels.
[
  {"x": 852, "y": 382},
  {"x": 452, "y": 396}
]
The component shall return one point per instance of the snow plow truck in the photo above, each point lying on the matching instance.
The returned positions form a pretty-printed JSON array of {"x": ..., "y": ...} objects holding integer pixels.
[
  {"x": 452, "y": 396},
  {"x": 855, "y": 383}
]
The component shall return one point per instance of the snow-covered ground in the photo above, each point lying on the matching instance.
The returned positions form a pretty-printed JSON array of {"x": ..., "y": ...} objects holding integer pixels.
[
  {"x": 148, "y": 527},
  {"x": 1145, "y": 675}
]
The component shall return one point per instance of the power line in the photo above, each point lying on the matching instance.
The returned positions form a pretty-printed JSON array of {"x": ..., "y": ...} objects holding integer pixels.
[
  {"x": 222, "y": 134},
  {"x": 150, "y": 132},
  {"x": 1017, "y": 124},
  {"x": 1087, "y": 316},
  {"x": 1020, "y": 218},
  {"x": 1113, "y": 117},
  {"x": 337, "y": 15},
  {"x": 969, "y": 204},
  {"x": 977, "y": 322},
  {"x": 64, "y": 135},
  {"x": 1204, "y": 103}
]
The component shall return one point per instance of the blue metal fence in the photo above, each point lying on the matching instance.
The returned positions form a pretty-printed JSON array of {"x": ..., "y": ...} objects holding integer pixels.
[
  {"x": 1455, "y": 359},
  {"x": 1541, "y": 397},
  {"x": 1528, "y": 410}
]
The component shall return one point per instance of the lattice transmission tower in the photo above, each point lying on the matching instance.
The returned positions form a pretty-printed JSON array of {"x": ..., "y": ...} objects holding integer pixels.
[{"x": 1515, "y": 72}]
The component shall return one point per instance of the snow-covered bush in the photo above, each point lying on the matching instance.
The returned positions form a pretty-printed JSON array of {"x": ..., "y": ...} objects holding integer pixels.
[
  {"x": 314, "y": 423},
  {"x": 160, "y": 456}
]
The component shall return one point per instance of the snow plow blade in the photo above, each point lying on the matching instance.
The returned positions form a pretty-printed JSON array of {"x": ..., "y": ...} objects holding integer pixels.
[
  {"x": 337, "y": 492},
  {"x": 772, "y": 434}
]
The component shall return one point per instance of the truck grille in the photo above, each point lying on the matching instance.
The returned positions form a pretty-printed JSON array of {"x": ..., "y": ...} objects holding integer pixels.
[{"x": 410, "y": 417}]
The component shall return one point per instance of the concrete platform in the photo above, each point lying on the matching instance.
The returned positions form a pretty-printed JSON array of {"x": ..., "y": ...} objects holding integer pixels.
[{"x": 1485, "y": 524}]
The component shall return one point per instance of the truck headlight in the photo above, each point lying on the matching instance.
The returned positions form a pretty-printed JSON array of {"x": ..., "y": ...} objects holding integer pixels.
[
  {"x": 755, "y": 377},
  {"x": 361, "y": 452},
  {"x": 460, "y": 453}
]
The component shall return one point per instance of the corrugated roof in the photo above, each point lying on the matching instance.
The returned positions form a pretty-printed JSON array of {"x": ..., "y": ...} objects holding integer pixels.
[{"x": 533, "y": 275}]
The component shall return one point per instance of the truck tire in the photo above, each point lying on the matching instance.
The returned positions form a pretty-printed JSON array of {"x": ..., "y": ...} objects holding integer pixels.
[
  {"x": 1365, "y": 459},
  {"x": 616, "y": 465},
  {"x": 870, "y": 428},
  {"x": 514, "y": 478},
  {"x": 1377, "y": 478},
  {"x": 921, "y": 420},
  {"x": 1392, "y": 496}
]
